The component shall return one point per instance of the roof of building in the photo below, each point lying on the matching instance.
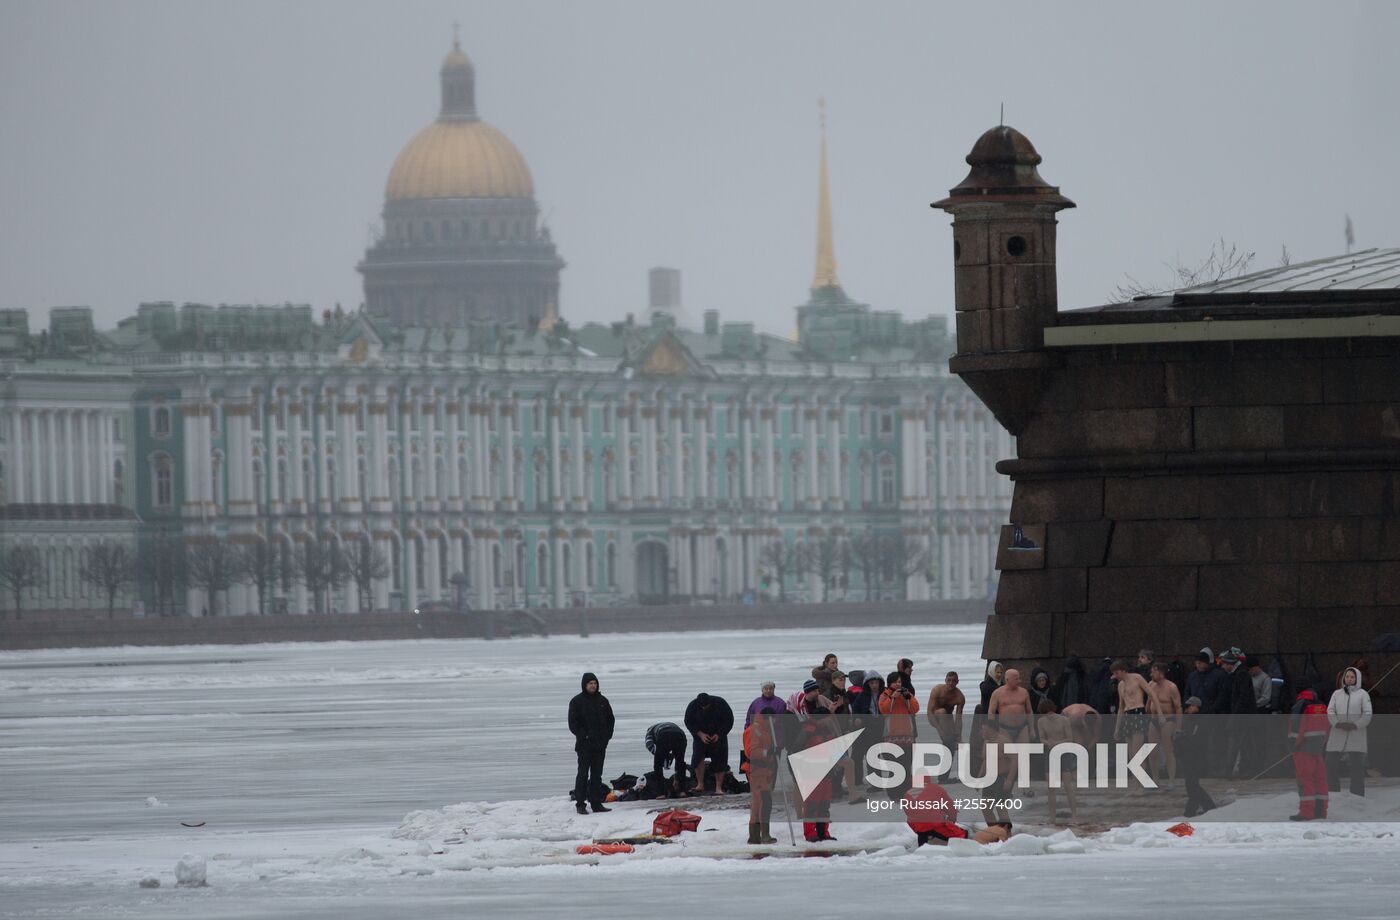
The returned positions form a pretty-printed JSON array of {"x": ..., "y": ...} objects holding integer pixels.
[
  {"x": 1370, "y": 269},
  {"x": 1346, "y": 296},
  {"x": 1358, "y": 282}
]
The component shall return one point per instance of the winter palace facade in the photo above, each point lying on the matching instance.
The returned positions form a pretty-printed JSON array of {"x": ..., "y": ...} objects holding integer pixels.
[{"x": 459, "y": 427}]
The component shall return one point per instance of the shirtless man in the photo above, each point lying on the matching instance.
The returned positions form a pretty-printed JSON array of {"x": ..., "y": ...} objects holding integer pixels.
[
  {"x": 1083, "y": 722},
  {"x": 1132, "y": 721},
  {"x": 1009, "y": 716},
  {"x": 1164, "y": 702},
  {"x": 945, "y": 710},
  {"x": 1055, "y": 728}
]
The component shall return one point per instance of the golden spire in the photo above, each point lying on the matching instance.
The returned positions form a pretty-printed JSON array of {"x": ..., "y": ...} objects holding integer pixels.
[{"x": 826, "y": 249}]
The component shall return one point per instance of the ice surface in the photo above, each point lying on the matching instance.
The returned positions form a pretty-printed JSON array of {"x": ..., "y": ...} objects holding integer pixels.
[
  {"x": 191, "y": 871},
  {"x": 360, "y": 780}
]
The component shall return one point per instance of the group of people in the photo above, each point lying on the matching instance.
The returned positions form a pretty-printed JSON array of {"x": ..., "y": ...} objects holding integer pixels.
[
  {"x": 1148, "y": 700},
  {"x": 1151, "y": 700}
]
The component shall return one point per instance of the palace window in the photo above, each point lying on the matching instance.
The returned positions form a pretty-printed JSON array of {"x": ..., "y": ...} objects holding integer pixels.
[
  {"x": 610, "y": 557},
  {"x": 160, "y": 422},
  {"x": 589, "y": 576},
  {"x": 542, "y": 564},
  {"x": 567, "y": 558},
  {"x": 162, "y": 482},
  {"x": 887, "y": 493}
]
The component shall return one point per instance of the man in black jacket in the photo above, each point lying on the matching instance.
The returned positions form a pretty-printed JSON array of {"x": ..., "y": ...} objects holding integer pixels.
[
  {"x": 1072, "y": 686},
  {"x": 709, "y": 719},
  {"x": 591, "y": 721},
  {"x": 1243, "y": 749}
]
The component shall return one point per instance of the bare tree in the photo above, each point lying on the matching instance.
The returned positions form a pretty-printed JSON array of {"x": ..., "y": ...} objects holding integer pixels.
[
  {"x": 1226, "y": 260},
  {"x": 366, "y": 564},
  {"x": 263, "y": 565},
  {"x": 320, "y": 566},
  {"x": 865, "y": 556},
  {"x": 110, "y": 568},
  {"x": 779, "y": 559},
  {"x": 21, "y": 570},
  {"x": 212, "y": 565},
  {"x": 829, "y": 559},
  {"x": 160, "y": 563},
  {"x": 902, "y": 556}
]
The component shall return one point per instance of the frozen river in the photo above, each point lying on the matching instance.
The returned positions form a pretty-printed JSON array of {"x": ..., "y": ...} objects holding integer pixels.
[{"x": 303, "y": 760}]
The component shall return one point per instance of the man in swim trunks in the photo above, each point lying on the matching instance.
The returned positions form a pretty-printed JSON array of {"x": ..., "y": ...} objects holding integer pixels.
[
  {"x": 1009, "y": 717},
  {"x": 945, "y": 711},
  {"x": 1132, "y": 721},
  {"x": 1164, "y": 702}
]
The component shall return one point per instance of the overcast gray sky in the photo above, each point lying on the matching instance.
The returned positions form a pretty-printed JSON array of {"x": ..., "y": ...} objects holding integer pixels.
[{"x": 236, "y": 152}]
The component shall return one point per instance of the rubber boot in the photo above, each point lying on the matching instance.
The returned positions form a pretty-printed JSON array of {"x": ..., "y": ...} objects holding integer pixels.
[
  {"x": 753, "y": 834},
  {"x": 581, "y": 808},
  {"x": 763, "y": 835}
]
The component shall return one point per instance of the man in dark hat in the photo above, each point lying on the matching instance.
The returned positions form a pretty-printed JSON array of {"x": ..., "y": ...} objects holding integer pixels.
[
  {"x": 591, "y": 721},
  {"x": 710, "y": 720}
]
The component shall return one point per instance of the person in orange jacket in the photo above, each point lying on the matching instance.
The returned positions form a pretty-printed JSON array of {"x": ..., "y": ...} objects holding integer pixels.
[
  {"x": 761, "y": 748},
  {"x": 899, "y": 705},
  {"x": 1308, "y": 728}
]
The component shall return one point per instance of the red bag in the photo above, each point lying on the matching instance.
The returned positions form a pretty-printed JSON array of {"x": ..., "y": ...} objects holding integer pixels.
[
  {"x": 1181, "y": 830},
  {"x": 671, "y": 823}
]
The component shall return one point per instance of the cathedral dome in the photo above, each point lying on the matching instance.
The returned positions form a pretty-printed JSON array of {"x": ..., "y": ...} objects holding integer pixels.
[
  {"x": 459, "y": 155},
  {"x": 459, "y": 159}
]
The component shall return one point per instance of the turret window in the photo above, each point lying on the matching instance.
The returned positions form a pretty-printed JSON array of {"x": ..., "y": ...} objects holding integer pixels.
[{"x": 1016, "y": 245}]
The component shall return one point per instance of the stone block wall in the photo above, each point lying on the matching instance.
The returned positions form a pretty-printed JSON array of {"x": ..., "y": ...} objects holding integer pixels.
[{"x": 1191, "y": 494}]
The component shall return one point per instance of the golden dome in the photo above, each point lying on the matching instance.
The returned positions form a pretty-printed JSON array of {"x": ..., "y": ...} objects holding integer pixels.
[{"x": 459, "y": 159}]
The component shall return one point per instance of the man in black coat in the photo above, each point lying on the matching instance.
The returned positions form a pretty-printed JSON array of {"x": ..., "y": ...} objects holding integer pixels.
[
  {"x": 591, "y": 721},
  {"x": 1072, "y": 686},
  {"x": 1243, "y": 749},
  {"x": 709, "y": 719}
]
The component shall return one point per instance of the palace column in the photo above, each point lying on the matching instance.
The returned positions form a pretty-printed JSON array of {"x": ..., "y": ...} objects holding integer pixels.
[
  {"x": 18, "y": 444},
  {"x": 680, "y": 489},
  {"x": 427, "y": 433},
  {"x": 507, "y": 421},
  {"x": 702, "y": 451},
  {"x": 379, "y": 500},
  {"x": 833, "y": 457},
  {"x": 770, "y": 480},
  {"x": 296, "y": 415},
  {"x": 622, "y": 467},
  {"x": 106, "y": 465},
  {"x": 746, "y": 449},
  {"x": 454, "y": 454},
  {"x": 579, "y": 488},
  {"x": 554, "y": 433},
  {"x": 810, "y": 416},
  {"x": 649, "y": 490}
]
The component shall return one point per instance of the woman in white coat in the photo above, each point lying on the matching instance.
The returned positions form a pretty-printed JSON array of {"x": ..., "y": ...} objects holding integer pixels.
[{"x": 1349, "y": 711}]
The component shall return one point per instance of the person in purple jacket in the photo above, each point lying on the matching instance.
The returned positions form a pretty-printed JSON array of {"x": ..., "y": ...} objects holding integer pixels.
[{"x": 768, "y": 702}]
